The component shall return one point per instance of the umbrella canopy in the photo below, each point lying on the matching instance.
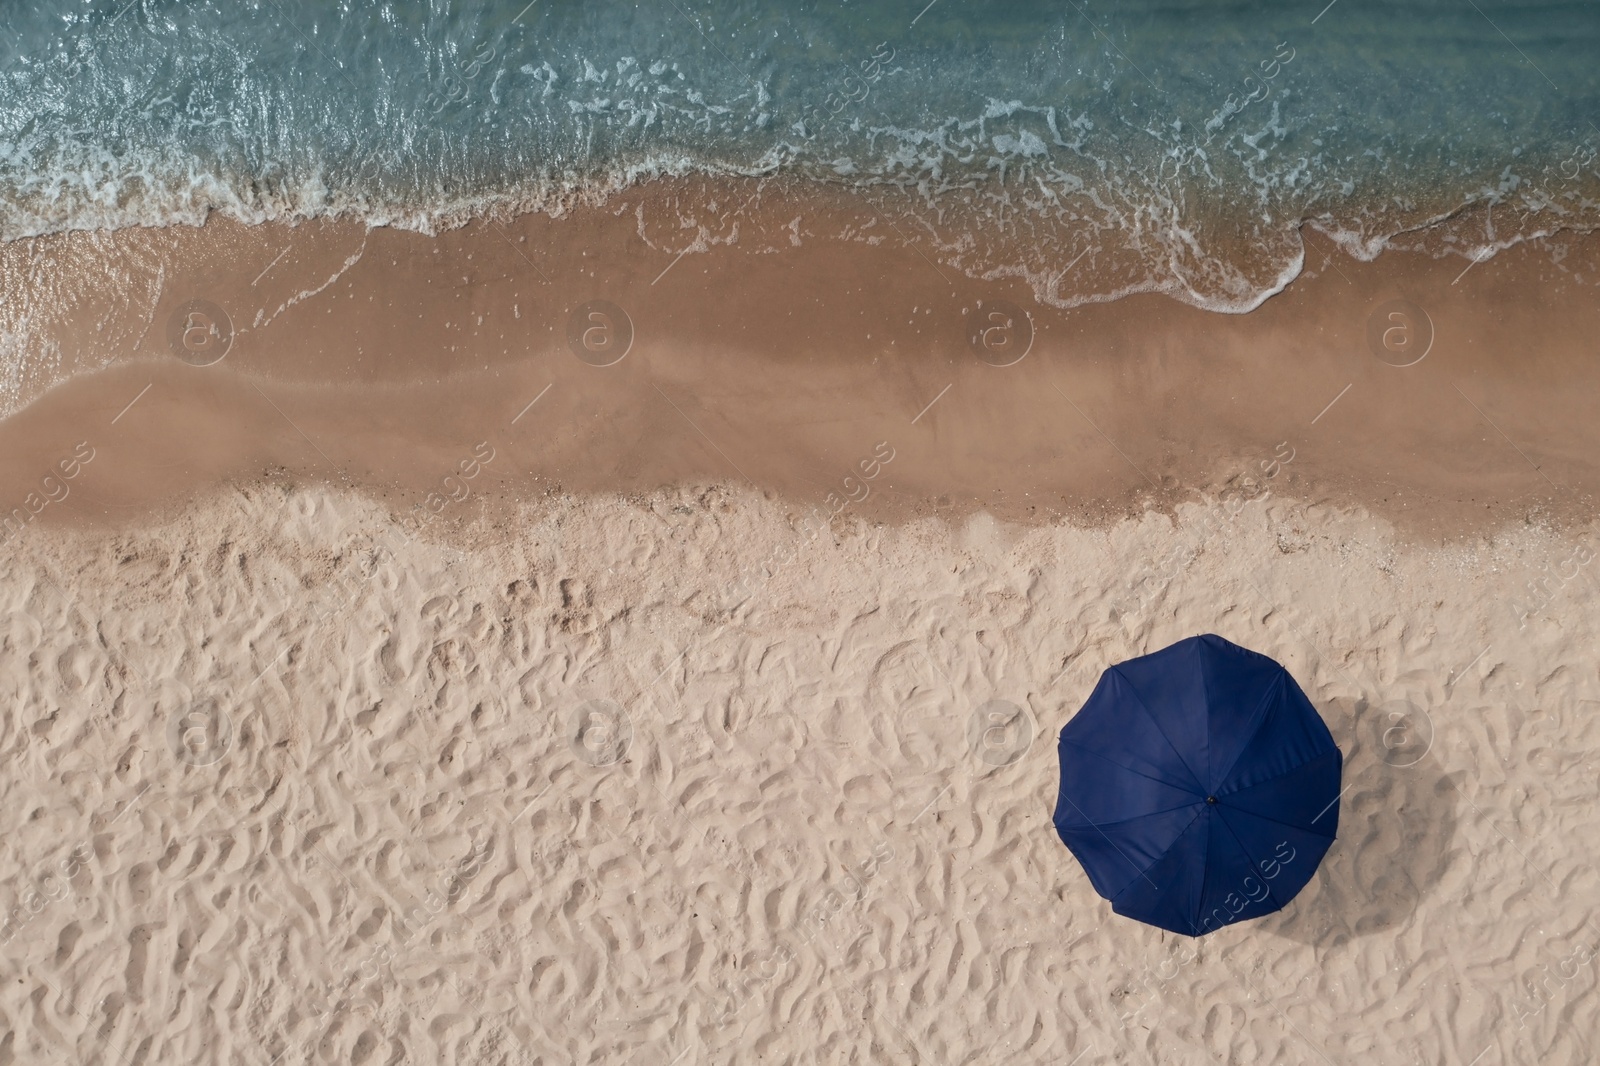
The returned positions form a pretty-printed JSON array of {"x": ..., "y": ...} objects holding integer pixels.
[{"x": 1199, "y": 786}]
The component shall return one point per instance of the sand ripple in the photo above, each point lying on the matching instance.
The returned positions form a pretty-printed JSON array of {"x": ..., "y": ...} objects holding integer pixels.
[{"x": 661, "y": 781}]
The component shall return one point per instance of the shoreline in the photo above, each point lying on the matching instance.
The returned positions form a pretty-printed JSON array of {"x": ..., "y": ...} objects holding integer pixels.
[{"x": 386, "y": 360}]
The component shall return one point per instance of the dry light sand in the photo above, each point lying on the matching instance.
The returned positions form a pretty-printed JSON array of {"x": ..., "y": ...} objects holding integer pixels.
[
  {"x": 661, "y": 780},
  {"x": 622, "y": 757}
]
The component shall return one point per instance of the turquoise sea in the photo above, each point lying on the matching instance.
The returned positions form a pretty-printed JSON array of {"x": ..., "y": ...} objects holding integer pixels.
[{"x": 1175, "y": 145}]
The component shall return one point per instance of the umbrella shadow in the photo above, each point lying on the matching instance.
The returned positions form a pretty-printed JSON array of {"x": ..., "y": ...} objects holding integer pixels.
[{"x": 1397, "y": 824}]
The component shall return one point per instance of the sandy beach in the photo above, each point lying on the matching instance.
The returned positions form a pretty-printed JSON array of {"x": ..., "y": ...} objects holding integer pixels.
[
  {"x": 407, "y": 665},
  {"x": 659, "y": 779}
]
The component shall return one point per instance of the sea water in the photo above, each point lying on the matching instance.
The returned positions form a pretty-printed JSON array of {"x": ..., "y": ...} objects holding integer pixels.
[{"x": 1091, "y": 148}]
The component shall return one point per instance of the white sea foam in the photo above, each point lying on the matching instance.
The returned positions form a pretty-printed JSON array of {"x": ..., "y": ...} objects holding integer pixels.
[{"x": 1028, "y": 214}]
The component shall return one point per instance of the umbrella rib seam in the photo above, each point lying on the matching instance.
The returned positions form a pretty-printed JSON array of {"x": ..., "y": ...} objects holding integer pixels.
[
  {"x": 1275, "y": 777},
  {"x": 1288, "y": 825},
  {"x": 1266, "y": 697},
  {"x": 1139, "y": 699},
  {"x": 1145, "y": 873},
  {"x": 1254, "y": 865},
  {"x": 1200, "y": 897},
  {"x": 1208, "y": 782},
  {"x": 1100, "y": 755},
  {"x": 1113, "y": 843},
  {"x": 1101, "y": 826}
]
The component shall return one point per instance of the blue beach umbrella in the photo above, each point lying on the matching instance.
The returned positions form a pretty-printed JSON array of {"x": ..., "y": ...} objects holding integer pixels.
[{"x": 1199, "y": 786}]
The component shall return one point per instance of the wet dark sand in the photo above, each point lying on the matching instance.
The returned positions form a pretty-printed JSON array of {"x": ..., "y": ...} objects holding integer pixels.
[{"x": 795, "y": 360}]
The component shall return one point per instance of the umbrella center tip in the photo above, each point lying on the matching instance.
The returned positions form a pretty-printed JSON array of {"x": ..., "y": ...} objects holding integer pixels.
[{"x": 1211, "y": 799}]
